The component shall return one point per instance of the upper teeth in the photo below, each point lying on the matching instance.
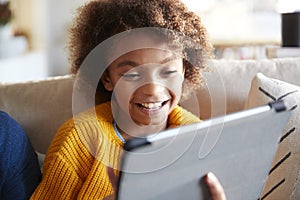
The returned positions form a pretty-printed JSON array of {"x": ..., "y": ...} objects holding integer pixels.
[{"x": 151, "y": 105}]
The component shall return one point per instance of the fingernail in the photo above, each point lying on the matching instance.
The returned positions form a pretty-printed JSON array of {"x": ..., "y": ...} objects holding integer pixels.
[{"x": 209, "y": 177}]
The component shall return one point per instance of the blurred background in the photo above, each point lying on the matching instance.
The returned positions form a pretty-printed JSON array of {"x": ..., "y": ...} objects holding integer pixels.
[{"x": 33, "y": 33}]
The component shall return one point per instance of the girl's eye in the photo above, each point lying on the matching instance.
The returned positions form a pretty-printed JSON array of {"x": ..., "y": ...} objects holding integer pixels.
[
  {"x": 168, "y": 73},
  {"x": 131, "y": 76}
]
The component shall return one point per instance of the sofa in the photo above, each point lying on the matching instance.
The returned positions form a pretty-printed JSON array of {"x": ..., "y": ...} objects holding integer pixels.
[{"x": 41, "y": 106}]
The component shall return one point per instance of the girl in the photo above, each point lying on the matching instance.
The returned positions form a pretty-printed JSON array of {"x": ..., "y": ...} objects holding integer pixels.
[{"x": 146, "y": 55}]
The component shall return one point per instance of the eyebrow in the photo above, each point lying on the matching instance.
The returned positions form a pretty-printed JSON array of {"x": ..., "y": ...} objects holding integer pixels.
[
  {"x": 126, "y": 63},
  {"x": 170, "y": 58}
]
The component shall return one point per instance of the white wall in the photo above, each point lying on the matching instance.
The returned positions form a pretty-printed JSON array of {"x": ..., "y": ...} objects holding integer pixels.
[
  {"x": 234, "y": 22},
  {"x": 59, "y": 15}
]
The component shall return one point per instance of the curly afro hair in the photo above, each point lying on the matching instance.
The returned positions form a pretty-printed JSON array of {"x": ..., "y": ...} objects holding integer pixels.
[{"x": 99, "y": 20}]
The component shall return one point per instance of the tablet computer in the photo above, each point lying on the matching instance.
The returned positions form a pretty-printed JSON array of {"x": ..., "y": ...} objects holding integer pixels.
[{"x": 238, "y": 148}]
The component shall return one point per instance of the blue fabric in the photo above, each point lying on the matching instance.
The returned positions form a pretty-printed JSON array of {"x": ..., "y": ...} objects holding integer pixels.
[
  {"x": 19, "y": 168},
  {"x": 117, "y": 132}
]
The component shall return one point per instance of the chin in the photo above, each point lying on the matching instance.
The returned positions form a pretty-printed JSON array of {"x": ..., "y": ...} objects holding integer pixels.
[{"x": 147, "y": 121}]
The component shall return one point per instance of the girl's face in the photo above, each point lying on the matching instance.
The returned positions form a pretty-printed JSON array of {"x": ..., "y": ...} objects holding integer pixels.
[
  {"x": 146, "y": 85},
  {"x": 149, "y": 84}
]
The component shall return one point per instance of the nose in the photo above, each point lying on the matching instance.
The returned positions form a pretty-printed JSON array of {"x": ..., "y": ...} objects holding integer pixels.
[{"x": 152, "y": 89}]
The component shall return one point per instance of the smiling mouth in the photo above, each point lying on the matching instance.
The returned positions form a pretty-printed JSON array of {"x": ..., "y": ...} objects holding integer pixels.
[{"x": 152, "y": 105}]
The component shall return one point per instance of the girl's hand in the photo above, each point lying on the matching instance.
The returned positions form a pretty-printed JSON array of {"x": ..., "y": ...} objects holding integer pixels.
[{"x": 215, "y": 187}]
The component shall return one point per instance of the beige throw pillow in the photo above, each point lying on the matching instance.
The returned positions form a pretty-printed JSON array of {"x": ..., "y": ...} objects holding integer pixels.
[{"x": 283, "y": 180}]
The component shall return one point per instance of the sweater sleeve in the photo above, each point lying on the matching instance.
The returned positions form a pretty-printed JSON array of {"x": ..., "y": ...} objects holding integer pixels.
[
  {"x": 59, "y": 181},
  {"x": 66, "y": 166},
  {"x": 19, "y": 168},
  {"x": 75, "y": 164}
]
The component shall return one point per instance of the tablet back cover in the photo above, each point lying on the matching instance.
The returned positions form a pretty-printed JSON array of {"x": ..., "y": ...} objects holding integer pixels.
[{"x": 238, "y": 149}]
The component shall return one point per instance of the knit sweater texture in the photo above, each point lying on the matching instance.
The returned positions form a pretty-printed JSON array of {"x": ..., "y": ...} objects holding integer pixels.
[
  {"x": 19, "y": 167},
  {"x": 76, "y": 162}
]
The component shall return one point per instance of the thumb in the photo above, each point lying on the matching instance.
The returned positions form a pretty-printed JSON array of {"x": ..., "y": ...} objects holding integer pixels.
[{"x": 215, "y": 187}]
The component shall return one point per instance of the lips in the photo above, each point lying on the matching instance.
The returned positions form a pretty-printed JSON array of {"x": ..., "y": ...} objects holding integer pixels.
[{"x": 152, "y": 105}]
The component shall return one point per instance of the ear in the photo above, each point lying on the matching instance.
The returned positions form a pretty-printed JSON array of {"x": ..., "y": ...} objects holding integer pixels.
[
  {"x": 183, "y": 65},
  {"x": 107, "y": 82}
]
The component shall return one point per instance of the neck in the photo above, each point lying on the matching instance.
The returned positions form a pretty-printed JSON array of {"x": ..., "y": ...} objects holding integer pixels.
[{"x": 128, "y": 129}]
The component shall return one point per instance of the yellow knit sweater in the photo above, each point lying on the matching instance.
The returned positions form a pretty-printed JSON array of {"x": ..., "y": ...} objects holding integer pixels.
[{"x": 75, "y": 164}]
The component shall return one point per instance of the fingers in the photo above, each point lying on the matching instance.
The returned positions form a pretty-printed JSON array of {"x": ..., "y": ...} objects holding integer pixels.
[{"x": 215, "y": 187}]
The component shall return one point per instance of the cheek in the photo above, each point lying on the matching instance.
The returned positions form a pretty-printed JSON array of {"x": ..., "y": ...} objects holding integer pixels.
[
  {"x": 122, "y": 93},
  {"x": 174, "y": 85}
]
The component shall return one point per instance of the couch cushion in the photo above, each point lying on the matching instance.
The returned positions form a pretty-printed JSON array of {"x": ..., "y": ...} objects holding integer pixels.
[
  {"x": 39, "y": 106},
  {"x": 283, "y": 180},
  {"x": 229, "y": 81}
]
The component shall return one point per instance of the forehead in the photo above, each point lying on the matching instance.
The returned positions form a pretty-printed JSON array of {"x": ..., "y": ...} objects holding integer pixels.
[
  {"x": 149, "y": 55},
  {"x": 135, "y": 43}
]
